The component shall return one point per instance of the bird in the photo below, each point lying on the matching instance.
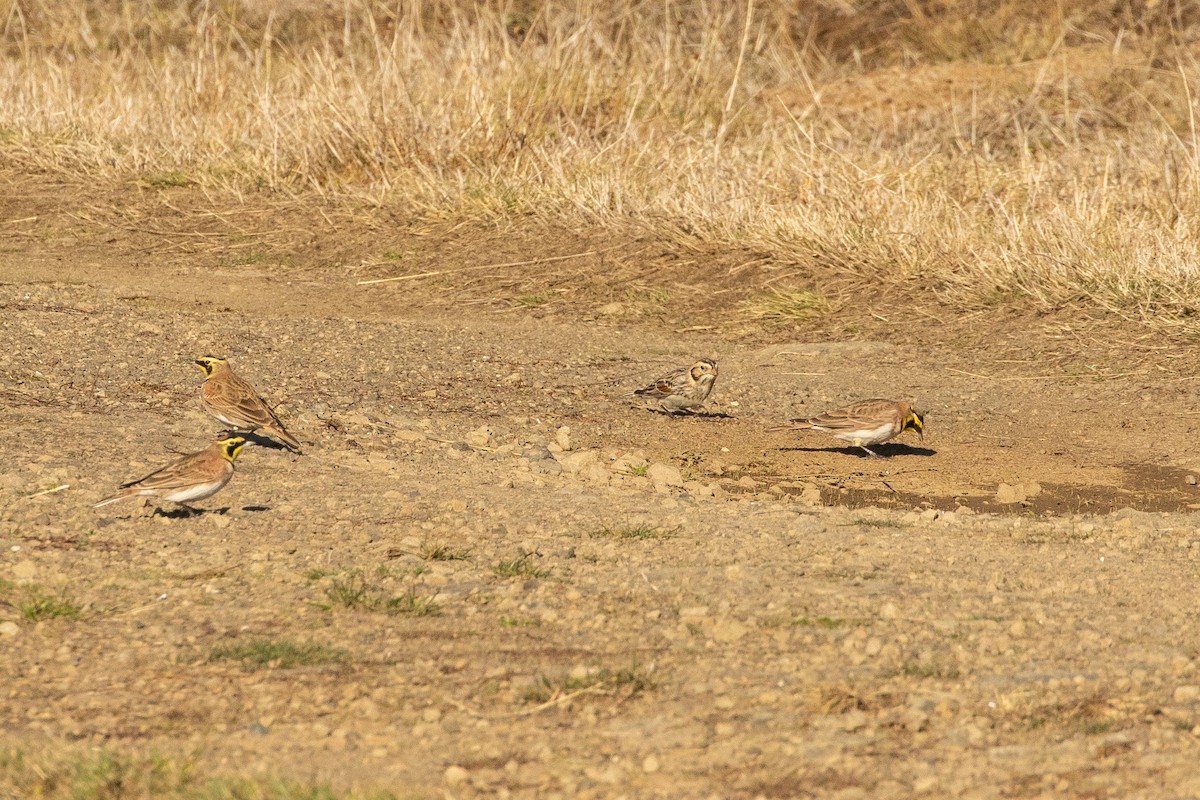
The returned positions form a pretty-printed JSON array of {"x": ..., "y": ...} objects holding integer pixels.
[
  {"x": 193, "y": 477},
  {"x": 682, "y": 389},
  {"x": 865, "y": 423},
  {"x": 233, "y": 401}
]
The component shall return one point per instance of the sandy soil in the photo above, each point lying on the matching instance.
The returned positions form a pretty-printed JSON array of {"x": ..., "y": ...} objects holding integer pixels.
[{"x": 623, "y": 603}]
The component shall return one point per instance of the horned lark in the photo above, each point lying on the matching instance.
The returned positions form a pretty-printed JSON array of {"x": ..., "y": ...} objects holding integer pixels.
[
  {"x": 193, "y": 477},
  {"x": 865, "y": 423},
  {"x": 234, "y": 402},
  {"x": 682, "y": 389}
]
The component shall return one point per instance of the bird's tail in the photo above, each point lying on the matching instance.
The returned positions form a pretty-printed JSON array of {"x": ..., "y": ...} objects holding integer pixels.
[
  {"x": 282, "y": 435},
  {"x": 114, "y": 498},
  {"x": 793, "y": 425}
]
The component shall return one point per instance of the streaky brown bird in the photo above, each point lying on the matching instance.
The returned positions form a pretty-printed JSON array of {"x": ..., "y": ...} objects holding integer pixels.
[
  {"x": 865, "y": 423},
  {"x": 682, "y": 389},
  {"x": 193, "y": 477},
  {"x": 232, "y": 400}
]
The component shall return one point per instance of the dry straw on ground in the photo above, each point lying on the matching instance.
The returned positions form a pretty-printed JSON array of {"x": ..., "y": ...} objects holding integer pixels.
[{"x": 991, "y": 155}]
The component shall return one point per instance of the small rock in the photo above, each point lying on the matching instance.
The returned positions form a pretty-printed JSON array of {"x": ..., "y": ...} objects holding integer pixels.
[
  {"x": 455, "y": 775},
  {"x": 563, "y": 437},
  {"x": 595, "y": 472},
  {"x": 1006, "y": 493},
  {"x": 810, "y": 495},
  {"x": 650, "y": 764},
  {"x": 610, "y": 309},
  {"x": 546, "y": 466},
  {"x": 9, "y": 629},
  {"x": 575, "y": 462},
  {"x": 480, "y": 437},
  {"x": 1186, "y": 694},
  {"x": 1190, "y": 480},
  {"x": 664, "y": 477},
  {"x": 1020, "y": 493},
  {"x": 410, "y": 436}
]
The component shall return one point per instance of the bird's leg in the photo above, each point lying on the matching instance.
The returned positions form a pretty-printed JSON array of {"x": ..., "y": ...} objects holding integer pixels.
[{"x": 870, "y": 452}]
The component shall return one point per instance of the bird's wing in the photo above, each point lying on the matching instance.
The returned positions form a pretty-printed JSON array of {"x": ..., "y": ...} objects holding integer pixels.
[
  {"x": 181, "y": 472},
  {"x": 667, "y": 384},
  {"x": 239, "y": 397}
]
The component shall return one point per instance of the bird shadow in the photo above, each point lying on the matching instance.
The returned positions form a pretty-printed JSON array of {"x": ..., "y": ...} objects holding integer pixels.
[
  {"x": 884, "y": 450},
  {"x": 256, "y": 508},
  {"x": 688, "y": 414},
  {"x": 188, "y": 512}
]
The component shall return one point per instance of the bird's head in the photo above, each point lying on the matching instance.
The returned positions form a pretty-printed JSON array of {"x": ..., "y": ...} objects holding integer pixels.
[
  {"x": 704, "y": 370},
  {"x": 915, "y": 421},
  {"x": 231, "y": 446},
  {"x": 209, "y": 364}
]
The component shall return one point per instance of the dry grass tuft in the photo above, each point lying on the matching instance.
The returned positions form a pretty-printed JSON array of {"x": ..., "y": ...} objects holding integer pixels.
[
  {"x": 785, "y": 307},
  {"x": 996, "y": 154}
]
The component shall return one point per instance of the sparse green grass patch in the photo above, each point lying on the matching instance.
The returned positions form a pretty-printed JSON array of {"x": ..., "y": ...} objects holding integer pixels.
[
  {"x": 627, "y": 682},
  {"x": 864, "y": 522},
  {"x": 444, "y": 552},
  {"x": 522, "y": 567},
  {"x": 636, "y": 532},
  {"x": 283, "y": 654},
  {"x": 412, "y": 605},
  {"x": 931, "y": 669},
  {"x": 354, "y": 592},
  {"x": 38, "y": 603},
  {"x": 166, "y": 180},
  {"x": 109, "y": 775},
  {"x": 821, "y": 622},
  {"x": 351, "y": 591},
  {"x": 533, "y": 300},
  {"x": 653, "y": 296},
  {"x": 246, "y": 259}
]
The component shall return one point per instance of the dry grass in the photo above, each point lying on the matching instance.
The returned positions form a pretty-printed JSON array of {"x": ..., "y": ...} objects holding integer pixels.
[{"x": 985, "y": 155}]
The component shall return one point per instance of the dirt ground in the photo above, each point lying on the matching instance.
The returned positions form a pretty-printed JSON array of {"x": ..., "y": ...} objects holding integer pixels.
[{"x": 513, "y": 583}]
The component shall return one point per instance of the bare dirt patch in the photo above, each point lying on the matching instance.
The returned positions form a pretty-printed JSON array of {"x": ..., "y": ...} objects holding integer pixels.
[{"x": 439, "y": 597}]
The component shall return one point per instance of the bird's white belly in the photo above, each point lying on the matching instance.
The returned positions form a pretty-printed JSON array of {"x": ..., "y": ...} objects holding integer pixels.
[
  {"x": 868, "y": 436},
  {"x": 236, "y": 423},
  {"x": 681, "y": 401},
  {"x": 197, "y": 492}
]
